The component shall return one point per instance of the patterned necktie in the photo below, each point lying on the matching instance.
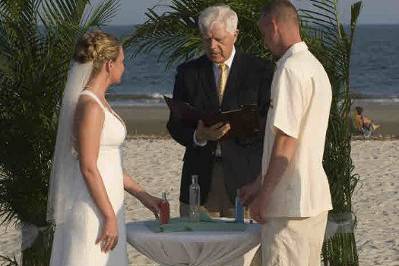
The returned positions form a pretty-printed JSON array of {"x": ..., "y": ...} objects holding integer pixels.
[{"x": 223, "y": 74}]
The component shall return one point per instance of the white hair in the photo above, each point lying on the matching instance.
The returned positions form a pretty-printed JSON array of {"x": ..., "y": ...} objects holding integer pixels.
[{"x": 219, "y": 13}]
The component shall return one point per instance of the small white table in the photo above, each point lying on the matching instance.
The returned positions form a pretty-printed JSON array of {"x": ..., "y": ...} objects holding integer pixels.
[{"x": 196, "y": 248}]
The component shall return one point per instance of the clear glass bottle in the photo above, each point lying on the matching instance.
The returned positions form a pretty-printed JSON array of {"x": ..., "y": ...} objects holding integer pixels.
[{"x": 195, "y": 199}]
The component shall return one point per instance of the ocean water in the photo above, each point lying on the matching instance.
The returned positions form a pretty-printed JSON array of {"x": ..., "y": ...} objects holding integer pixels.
[{"x": 374, "y": 69}]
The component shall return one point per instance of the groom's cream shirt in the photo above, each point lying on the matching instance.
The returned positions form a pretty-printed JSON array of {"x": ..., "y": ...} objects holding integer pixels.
[{"x": 300, "y": 106}]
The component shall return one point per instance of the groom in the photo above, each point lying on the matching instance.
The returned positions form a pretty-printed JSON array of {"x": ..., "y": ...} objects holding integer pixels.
[
  {"x": 292, "y": 197},
  {"x": 223, "y": 79}
]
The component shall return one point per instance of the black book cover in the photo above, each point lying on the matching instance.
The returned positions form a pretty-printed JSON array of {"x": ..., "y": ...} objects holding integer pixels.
[{"x": 244, "y": 122}]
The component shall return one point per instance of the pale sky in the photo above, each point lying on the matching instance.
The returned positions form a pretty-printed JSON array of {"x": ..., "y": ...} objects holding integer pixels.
[{"x": 374, "y": 11}]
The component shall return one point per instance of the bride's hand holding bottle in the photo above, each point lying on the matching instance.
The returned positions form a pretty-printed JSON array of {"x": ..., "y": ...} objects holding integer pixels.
[{"x": 149, "y": 201}]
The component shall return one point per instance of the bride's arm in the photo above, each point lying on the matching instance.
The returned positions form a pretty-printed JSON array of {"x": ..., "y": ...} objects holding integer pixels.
[
  {"x": 133, "y": 188},
  {"x": 89, "y": 121}
]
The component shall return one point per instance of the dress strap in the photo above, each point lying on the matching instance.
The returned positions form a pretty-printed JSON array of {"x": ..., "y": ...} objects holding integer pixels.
[{"x": 93, "y": 96}]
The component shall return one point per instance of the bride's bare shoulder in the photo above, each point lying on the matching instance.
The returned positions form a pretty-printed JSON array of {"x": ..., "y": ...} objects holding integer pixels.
[
  {"x": 88, "y": 108},
  {"x": 87, "y": 103}
]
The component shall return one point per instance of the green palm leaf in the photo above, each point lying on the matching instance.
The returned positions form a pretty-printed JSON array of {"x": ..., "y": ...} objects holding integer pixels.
[
  {"x": 175, "y": 33},
  {"x": 323, "y": 26},
  {"x": 37, "y": 39}
]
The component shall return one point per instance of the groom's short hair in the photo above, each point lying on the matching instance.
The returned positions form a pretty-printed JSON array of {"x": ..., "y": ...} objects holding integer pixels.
[{"x": 282, "y": 11}]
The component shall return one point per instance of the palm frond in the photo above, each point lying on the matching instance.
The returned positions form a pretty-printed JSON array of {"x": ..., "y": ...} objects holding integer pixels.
[
  {"x": 101, "y": 14},
  {"x": 37, "y": 39},
  {"x": 6, "y": 261},
  {"x": 175, "y": 35},
  {"x": 333, "y": 48}
]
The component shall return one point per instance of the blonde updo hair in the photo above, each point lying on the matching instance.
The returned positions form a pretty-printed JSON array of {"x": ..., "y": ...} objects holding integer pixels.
[{"x": 97, "y": 47}]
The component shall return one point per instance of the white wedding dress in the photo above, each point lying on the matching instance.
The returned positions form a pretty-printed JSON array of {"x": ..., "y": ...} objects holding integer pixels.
[{"x": 74, "y": 240}]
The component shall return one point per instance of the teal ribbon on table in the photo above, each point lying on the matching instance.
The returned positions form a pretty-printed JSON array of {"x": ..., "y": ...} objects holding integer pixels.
[{"x": 184, "y": 225}]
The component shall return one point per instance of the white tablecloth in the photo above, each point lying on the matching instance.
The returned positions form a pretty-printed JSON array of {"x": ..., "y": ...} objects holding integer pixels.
[{"x": 196, "y": 248}]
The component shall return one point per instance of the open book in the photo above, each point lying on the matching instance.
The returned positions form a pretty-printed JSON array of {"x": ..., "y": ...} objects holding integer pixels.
[{"x": 244, "y": 122}]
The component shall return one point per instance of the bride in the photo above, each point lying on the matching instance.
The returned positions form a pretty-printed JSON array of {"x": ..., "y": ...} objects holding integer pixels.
[{"x": 87, "y": 181}]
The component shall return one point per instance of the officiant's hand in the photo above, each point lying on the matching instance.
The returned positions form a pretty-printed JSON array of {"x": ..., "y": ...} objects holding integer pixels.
[
  {"x": 109, "y": 235},
  {"x": 150, "y": 202},
  {"x": 213, "y": 133},
  {"x": 249, "y": 191}
]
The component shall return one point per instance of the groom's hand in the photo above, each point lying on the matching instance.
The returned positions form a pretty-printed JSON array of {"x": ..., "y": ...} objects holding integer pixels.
[
  {"x": 258, "y": 207},
  {"x": 249, "y": 191}
]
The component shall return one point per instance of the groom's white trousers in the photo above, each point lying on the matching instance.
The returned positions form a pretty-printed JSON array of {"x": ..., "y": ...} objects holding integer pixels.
[{"x": 293, "y": 241}]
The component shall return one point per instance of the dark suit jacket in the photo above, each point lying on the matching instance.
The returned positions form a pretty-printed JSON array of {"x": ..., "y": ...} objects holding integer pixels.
[{"x": 249, "y": 82}]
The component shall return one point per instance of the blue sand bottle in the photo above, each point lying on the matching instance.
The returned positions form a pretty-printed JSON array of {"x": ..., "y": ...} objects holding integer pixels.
[{"x": 239, "y": 209}]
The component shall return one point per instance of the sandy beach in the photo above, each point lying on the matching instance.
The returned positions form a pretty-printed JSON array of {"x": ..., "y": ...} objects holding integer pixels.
[
  {"x": 143, "y": 120},
  {"x": 156, "y": 163}
]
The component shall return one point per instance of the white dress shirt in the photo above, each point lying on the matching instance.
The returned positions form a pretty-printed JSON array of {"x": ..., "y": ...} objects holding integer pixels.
[
  {"x": 216, "y": 73},
  {"x": 300, "y": 107}
]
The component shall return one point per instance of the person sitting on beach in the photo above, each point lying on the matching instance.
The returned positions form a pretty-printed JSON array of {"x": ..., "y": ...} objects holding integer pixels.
[
  {"x": 222, "y": 79},
  {"x": 364, "y": 124}
]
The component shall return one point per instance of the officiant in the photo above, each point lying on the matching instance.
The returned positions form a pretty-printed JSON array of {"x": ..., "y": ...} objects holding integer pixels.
[{"x": 222, "y": 79}]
